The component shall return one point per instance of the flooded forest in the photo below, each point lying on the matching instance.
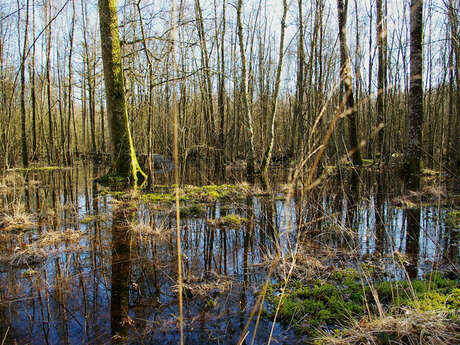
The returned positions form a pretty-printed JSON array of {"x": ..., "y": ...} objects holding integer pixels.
[{"x": 229, "y": 172}]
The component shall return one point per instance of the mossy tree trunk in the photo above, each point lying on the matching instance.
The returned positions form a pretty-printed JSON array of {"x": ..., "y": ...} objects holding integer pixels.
[
  {"x": 414, "y": 147},
  {"x": 124, "y": 161}
]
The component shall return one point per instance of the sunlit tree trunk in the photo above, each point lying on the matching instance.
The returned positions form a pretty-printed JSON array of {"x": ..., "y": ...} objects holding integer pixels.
[
  {"x": 454, "y": 138},
  {"x": 298, "y": 107},
  {"x": 221, "y": 94},
  {"x": 271, "y": 138},
  {"x": 382, "y": 70},
  {"x": 25, "y": 159},
  {"x": 345, "y": 75},
  {"x": 50, "y": 145},
  {"x": 124, "y": 161},
  {"x": 413, "y": 155},
  {"x": 244, "y": 96},
  {"x": 69, "y": 91},
  {"x": 33, "y": 98}
]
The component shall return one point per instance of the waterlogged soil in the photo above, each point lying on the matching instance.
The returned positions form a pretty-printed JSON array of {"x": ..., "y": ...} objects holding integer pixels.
[{"x": 83, "y": 264}]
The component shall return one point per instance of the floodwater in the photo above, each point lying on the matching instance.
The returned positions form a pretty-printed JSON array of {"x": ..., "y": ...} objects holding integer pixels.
[{"x": 80, "y": 274}]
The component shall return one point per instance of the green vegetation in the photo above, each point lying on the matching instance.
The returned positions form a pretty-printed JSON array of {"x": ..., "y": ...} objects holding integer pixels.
[
  {"x": 193, "y": 210},
  {"x": 230, "y": 221},
  {"x": 94, "y": 218},
  {"x": 332, "y": 304},
  {"x": 199, "y": 194},
  {"x": 45, "y": 168},
  {"x": 453, "y": 219}
]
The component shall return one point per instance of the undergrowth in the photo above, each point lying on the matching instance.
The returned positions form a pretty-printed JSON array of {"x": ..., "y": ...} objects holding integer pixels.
[{"x": 332, "y": 304}]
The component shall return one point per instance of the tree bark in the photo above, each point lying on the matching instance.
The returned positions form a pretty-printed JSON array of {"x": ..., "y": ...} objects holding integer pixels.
[
  {"x": 345, "y": 75},
  {"x": 244, "y": 94},
  {"x": 414, "y": 147},
  {"x": 382, "y": 71},
  {"x": 25, "y": 159},
  {"x": 268, "y": 151},
  {"x": 48, "y": 86},
  {"x": 124, "y": 161}
]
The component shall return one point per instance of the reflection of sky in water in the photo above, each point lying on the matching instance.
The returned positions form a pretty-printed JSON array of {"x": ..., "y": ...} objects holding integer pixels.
[{"x": 88, "y": 290}]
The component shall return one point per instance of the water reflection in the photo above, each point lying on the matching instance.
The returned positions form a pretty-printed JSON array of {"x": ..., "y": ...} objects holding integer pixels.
[
  {"x": 116, "y": 281},
  {"x": 123, "y": 216}
]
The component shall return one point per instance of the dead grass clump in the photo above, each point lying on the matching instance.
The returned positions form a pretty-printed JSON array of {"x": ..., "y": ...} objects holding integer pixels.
[
  {"x": 18, "y": 219},
  {"x": 12, "y": 180},
  {"x": 142, "y": 230},
  {"x": 413, "y": 328},
  {"x": 94, "y": 218},
  {"x": 206, "y": 286},
  {"x": 28, "y": 255},
  {"x": 427, "y": 196},
  {"x": 52, "y": 238}
]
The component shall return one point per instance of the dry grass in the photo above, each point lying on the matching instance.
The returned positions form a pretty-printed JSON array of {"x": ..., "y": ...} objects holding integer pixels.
[
  {"x": 142, "y": 231},
  {"x": 53, "y": 238},
  {"x": 28, "y": 255},
  {"x": 17, "y": 219},
  {"x": 40, "y": 249},
  {"x": 412, "y": 328},
  {"x": 204, "y": 287}
]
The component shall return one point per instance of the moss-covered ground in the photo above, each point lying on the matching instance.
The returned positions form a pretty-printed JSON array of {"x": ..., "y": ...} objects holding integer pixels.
[{"x": 334, "y": 303}]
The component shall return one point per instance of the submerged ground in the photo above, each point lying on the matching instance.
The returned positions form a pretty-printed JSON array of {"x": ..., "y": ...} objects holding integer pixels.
[{"x": 83, "y": 263}]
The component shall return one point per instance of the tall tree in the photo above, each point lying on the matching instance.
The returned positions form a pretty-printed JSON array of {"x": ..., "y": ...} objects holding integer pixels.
[
  {"x": 345, "y": 75},
  {"x": 413, "y": 155},
  {"x": 33, "y": 98},
  {"x": 382, "y": 68},
  {"x": 271, "y": 137},
  {"x": 50, "y": 146},
  {"x": 25, "y": 159},
  {"x": 124, "y": 160},
  {"x": 244, "y": 94}
]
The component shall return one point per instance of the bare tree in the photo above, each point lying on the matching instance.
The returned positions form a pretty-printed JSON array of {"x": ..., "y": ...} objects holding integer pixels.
[
  {"x": 244, "y": 95},
  {"x": 414, "y": 147},
  {"x": 271, "y": 138},
  {"x": 345, "y": 75},
  {"x": 382, "y": 68},
  {"x": 25, "y": 159}
]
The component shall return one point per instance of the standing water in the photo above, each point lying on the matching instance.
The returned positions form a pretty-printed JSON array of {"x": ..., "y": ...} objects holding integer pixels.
[{"x": 82, "y": 264}]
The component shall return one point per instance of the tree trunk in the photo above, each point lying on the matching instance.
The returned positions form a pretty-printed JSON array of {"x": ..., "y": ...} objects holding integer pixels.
[
  {"x": 48, "y": 86},
  {"x": 268, "y": 151},
  {"x": 244, "y": 94},
  {"x": 124, "y": 161},
  {"x": 25, "y": 159},
  {"x": 345, "y": 75},
  {"x": 221, "y": 96},
  {"x": 33, "y": 99},
  {"x": 414, "y": 146},
  {"x": 382, "y": 72}
]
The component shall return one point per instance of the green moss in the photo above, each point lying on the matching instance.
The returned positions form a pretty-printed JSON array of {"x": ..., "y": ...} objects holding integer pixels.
[
  {"x": 367, "y": 162},
  {"x": 94, "y": 218},
  {"x": 453, "y": 219},
  {"x": 111, "y": 179},
  {"x": 230, "y": 221},
  {"x": 48, "y": 168},
  {"x": 343, "y": 297},
  {"x": 198, "y": 194},
  {"x": 194, "y": 210},
  {"x": 112, "y": 193},
  {"x": 159, "y": 197}
]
